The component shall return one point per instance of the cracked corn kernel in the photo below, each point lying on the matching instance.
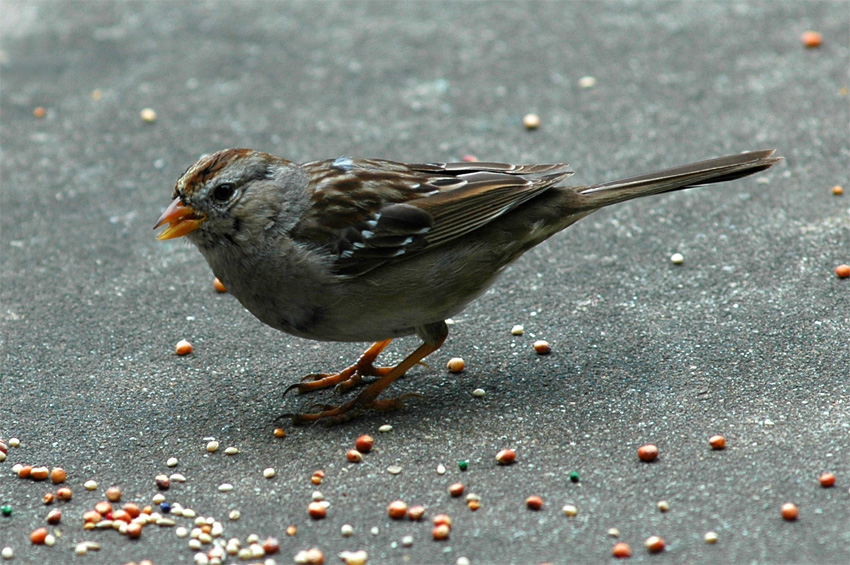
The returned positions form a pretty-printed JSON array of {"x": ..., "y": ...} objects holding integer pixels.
[
  {"x": 218, "y": 285},
  {"x": 654, "y": 544},
  {"x": 717, "y": 442},
  {"x": 837, "y": 190},
  {"x": 183, "y": 347},
  {"x": 455, "y": 365}
]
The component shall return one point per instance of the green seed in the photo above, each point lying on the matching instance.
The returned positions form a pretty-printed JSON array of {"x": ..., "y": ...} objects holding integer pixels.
[
  {"x": 6, "y": 510},
  {"x": 463, "y": 464},
  {"x": 574, "y": 476}
]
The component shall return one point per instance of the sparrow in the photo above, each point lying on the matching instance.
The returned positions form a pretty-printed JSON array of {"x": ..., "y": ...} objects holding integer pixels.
[{"x": 371, "y": 250}]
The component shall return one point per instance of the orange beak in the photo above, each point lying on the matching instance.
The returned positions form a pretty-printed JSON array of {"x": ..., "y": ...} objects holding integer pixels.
[{"x": 181, "y": 219}]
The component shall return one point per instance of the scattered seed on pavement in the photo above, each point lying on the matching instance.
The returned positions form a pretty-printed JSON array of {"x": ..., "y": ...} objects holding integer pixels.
[{"x": 648, "y": 452}]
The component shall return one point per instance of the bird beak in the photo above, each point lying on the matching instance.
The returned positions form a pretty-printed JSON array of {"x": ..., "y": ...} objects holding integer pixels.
[{"x": 181, "y": 219}]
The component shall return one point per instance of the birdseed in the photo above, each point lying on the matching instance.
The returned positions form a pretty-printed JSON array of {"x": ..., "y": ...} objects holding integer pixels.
[
  {"x": 677, "y": 258},
  {"x": 269, "y": 473}
]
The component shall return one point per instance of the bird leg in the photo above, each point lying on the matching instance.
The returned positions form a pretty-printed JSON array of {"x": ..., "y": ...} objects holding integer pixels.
[
  {"x": 348, "y": 377},
  {"x": 434, "y": 336}
]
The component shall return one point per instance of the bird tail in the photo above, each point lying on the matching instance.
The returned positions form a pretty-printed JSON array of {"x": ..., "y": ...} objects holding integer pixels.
[{"x": 720, "y": 169}]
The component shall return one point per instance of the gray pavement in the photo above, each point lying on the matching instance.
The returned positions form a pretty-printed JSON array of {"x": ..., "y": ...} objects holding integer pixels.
[{"x": 747, "y": 338}]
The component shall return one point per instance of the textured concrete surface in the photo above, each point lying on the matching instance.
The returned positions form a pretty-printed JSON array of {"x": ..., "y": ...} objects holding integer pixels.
[{"x": 748, "y": 338}]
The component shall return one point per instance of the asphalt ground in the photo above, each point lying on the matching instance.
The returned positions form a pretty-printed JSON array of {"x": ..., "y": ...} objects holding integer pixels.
[{"x": 747, "y": 338}]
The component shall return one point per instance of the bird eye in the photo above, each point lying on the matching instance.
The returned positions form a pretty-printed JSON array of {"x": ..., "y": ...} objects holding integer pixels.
[{"x": 223, "y": 191}]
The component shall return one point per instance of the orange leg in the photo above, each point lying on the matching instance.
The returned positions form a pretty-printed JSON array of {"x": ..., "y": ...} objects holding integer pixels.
[
  {"x": 434, "y": 336},
  {"x": 348, "y": 377}
]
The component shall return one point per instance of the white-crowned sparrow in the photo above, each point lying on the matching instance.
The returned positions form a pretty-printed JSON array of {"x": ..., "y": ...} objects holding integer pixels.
[{"x": 370, "y": 250}]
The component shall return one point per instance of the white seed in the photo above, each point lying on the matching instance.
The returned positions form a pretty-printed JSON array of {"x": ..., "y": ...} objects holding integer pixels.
[
  {"x": 212, "y": 446},
  {"x": 253, "y": 538},
  {"x": 172, "y": 462},
  {"x": 90, "y": 485},
  {"x": 217, "y": 529},
  {"x": 49, "y": 540},
  {"x": 385, "y": 428},
  {"x": 462, "y": 561},
  {"x": 358, "y": 557},
  {"x": 374, "y": 531},
  {"x": 2, "y": 456},
  {"x": 231, "y": 451},
  {"x": 177, "y": 478},
  {"x": 517, "y": 330},
  {"x": 677, "y": 258},
  {"x": 587, "y": 82},
  {"x": 164, "y": 522},
  {"x": 407, "y": 541},
  {"x": 205, "y": 538},
  {"x": 570, "y": 510},
  {"x": 531, "y": 121},
  {"x": 225, "y": 487},
  {"x": 16, "y": 468},
  {"x": 158, "y": 499},
  {"x": 394, "y": 469},
  {"x": 181, "y": 532},
  {"x": 200, "y": 557},
  {"x": 711, "y": 537},
  {"x": 347, "y": 530},
  {"x": 188, "y": 513},
  {"x": 7, "y": 553},
  {"x": 479, "y": 392},
  {"x": 317, "y": 496},
  {"x": 81, "y": 549},
  {"x": 14, "y": 442},
  {"x": 441, "y": 469},
  {"x": 234, "y": 515},
  {"x": 148, "y": 115},
  {"x": 269, "y": 473},
  {"x": 614, "y": 532}
]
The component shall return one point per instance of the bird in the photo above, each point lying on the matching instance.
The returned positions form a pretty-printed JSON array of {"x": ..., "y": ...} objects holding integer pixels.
[{"x": 369, "y": 250}]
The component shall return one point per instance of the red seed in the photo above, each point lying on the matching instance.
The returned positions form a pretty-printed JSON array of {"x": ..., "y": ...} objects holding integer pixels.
[
  {"x": 443, "y": 520},
  {"x": 790, "y": 511},
  {"x": 648, "y": 452},
  {"x": 39, "y": 112},
  {"x": 183, "y": 347},
  {"x": 54, "y": 517},
  {"x": 717, "y": 442},
  {"x": 654, "y": 544},
  {"x": 397, "y": 510},
  {"x": 827, "y": 480},
  {"x": 64, "y": 494},
  {"x": 317, "y": 510},
  {"x": 279, "y": 432},
  {"x": 415, "y": 513},
  {"x": 134, "y": 530},
  {"x": 162, "y": 482},
  {"x": 534, "y": 502},
  {"x": 103, "y": 508},
  {"x": 113, "y": 494},
  {"x": 58, "y": 475},
  {"x": 542, "y": 347},
  {"x": 842, "y": 271},
  {"x": 441, "y": 532},
  {"x": 121, "y": 516},
  {"x": 132, "y": 510},
  {"x": 364, "y": 444},
  {"x": 621, "y": 550},
  {"x": 92, "y": 516},
  {"x": 37, "y": 536},
  {"x": 506, "y": 456},
  {"x": 271, "y": 545},
  {"x": 456, "y": 489},
  {"x": 473, "y": 505},
  {"x": 811, "y": 39},
  {"x": 354, "y": 456},
  {"x": 24, "y": 472},
  {"x": 47, "y": 498}
]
